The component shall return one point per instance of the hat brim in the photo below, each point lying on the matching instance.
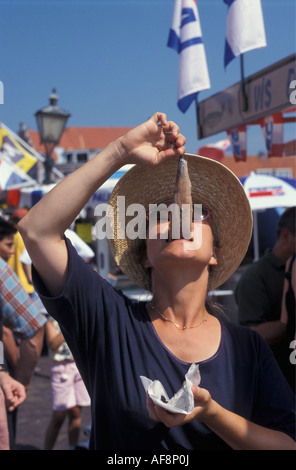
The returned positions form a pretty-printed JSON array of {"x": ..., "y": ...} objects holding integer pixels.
[{"x": 213, "y": 185}]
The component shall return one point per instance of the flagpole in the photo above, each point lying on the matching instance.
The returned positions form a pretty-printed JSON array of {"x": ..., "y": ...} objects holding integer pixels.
[
  {"x": 199, "y": 128},
  {"x": 245, "y": 103}
]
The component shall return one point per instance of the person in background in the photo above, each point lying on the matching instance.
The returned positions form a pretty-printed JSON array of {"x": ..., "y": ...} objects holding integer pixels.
[
  {"x": 22, "y": 323},
  {"x": 23, "y": 272},
  {"x": 69, "y": 394},
  {"x": 260, "y": 289},
  {"x": 7, "y": 232},
  {"x": 12, "y": 394},
  {"x": 288, "y": 318},
  {"x": 14, "y": 260},
  {"x": 288, "y": 301},
  {"x": 21, "y": 317}
]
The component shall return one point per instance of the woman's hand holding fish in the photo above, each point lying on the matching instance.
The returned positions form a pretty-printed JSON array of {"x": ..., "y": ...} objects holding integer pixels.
[{"x": 152, "y": 142}]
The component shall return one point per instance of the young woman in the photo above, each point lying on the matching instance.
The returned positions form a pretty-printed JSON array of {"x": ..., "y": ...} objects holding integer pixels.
[{"x": 243, "y": 402}]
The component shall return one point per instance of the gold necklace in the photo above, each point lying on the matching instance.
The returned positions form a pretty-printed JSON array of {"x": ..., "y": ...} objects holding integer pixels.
[{"x": 176, "y": 324}]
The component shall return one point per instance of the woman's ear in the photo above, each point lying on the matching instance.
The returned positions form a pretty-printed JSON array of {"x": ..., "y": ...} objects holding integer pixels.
[{"x": 214, "y": 257}]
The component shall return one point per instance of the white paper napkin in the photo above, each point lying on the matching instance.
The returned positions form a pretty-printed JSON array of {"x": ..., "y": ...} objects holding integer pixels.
[{"x": 182, "y": 401}]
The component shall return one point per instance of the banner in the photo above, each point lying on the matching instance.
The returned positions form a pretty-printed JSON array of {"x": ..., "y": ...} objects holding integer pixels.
[
  {"x": 15, "y": 152},
  {"x": 11, "y": 176},
  {"x": 273, "y": 133},
  {"x": 186, "y": 38},
  {"x": 244, "y": 28},
  {"x": 215, "y": 150},
  {"x": 238, "y": 139},
  {"x": 15, "y": 161}
]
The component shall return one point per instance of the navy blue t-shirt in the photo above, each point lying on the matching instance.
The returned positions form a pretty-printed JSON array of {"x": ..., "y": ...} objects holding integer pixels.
[{"x": 114, "y": 342}]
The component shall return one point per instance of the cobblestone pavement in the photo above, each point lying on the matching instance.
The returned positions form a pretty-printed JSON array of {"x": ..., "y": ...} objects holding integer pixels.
[{"x": 34, "y": 414}]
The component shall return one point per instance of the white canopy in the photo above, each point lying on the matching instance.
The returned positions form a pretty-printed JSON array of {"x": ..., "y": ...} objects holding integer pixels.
[{"x": 266, "y": 192}]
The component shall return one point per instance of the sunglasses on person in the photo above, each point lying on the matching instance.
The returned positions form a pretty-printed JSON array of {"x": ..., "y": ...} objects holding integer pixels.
[{"x": 164, "y": 214}]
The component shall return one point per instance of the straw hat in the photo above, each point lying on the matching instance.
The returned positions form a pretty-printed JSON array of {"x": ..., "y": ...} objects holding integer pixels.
[{"x": 213, "y": 185}]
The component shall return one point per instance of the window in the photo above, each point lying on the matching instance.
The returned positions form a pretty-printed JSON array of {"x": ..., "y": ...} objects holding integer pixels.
[{"x": 81, "y": 157}]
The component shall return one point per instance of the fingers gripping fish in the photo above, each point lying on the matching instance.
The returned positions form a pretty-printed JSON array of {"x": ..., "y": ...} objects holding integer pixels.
[{"x": 183, "y": 198}]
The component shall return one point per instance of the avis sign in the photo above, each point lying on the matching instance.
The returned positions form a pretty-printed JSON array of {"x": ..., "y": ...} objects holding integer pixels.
[{"x": 268, "y": 91}]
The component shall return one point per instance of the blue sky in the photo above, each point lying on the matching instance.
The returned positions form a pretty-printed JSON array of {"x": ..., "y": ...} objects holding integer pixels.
[{"x": 110, "y": 63}]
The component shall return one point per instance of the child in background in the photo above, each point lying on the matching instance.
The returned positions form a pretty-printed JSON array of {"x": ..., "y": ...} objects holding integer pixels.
[{"x": 68, "y": 390}]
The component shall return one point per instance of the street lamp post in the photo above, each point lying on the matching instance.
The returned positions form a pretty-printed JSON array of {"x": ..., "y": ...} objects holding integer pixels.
[{"x": 51, "y": 122}]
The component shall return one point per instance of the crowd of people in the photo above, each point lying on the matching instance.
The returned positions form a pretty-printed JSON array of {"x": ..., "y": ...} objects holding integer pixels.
[
  {"x": 103, "y": 343},
  {"x": 25, "y": 331}
]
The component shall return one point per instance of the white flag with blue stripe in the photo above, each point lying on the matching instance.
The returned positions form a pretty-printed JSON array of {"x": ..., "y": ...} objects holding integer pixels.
[
  {"x": 186, "y": 38},
  {"x": 244, "y": 28}
]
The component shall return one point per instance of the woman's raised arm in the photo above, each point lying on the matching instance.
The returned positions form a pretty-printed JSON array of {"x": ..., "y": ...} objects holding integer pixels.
[{"x": 43, "y": 227}]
